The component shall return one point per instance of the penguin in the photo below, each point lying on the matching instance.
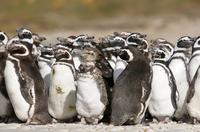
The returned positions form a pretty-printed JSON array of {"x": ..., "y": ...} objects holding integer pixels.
[
  {"x": 44, "y": 62},
  {"x": 195, "y": 58},
  {"x": 62, "y": 91},
  {"x": 131, "y": 92},
  {"x": 162, "y": 104},
  {"x": 178, "y": 66},
  {"x": 25, "y": 85},
  {"x": 193, "y": 106},
  {"x": 91, "y": 95},
  {"x": 6, "y": 109}
]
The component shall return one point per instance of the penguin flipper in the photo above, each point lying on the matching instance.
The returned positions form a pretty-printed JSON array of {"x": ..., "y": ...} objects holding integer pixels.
[
  {"x": 27, "y": 90},
  {"x": 191, "y": 88}
]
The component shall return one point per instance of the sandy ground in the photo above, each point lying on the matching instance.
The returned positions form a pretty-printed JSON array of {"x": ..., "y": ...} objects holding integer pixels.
[
  {"x": 154, "y": 28},
  {"x": 169, "y": 127}
]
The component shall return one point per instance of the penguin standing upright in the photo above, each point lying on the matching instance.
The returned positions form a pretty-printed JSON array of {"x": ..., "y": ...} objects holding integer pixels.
[
  {"x": 44, "y": 62},
  {"x": 62, "y": 92},
  {"x": 6, "y": 109},
  {"x": 162, "y": 103},
  {"x": 24, "y": 83},
  {"x": 194, "y": 62},
  {"x": 178, "y": 67},
  {"x": 91, "y": 95},
  {"x": 193, "y": 99},
  {"x": 132, "y": 89}
]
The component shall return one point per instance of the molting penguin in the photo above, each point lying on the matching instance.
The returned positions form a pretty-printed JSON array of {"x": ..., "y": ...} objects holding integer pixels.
[
  {"x": 6, "y": 109},
  {"x": 162, "y": 102},
  {"x": 131, "y": 91},
  {"x": 178, "y": 67},
  {"x": 25, "y": 85},
  {"x": 194, "y": 62},
  {"x": 62, "y": 92},
  {"x": 91, "y": 96}
]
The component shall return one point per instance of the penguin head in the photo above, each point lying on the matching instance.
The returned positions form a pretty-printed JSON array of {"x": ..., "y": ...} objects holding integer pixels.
[
  {"x": 196, "y": 44},
  {"x": 3, "y": 38},
  {"x": 138, "y": 40},
  {"x": 184, "y": 43},
  {"x": 93, "y": 57},
  {"x": 62, "y": 53},
  {"x": 46, "y": 52},
  {"x": 37, "y": 40},
  {"x": 19, "y": 50},
  {"x": 161, "y": 49},
  {"x": 125, "y": 54},
  {"x": 25, "y": 35}
]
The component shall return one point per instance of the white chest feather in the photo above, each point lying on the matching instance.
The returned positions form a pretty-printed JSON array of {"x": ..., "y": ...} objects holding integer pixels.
[
  {"x": 62, "y": 93},
  {"x": 160, "y": 103},
  {"x": 77, "y": 61},
  {"x": 119, "y": 68},
  {"x": 88, "y": 101},
  {"x": 193, "y": 66},
  {"x": 193, "y": 106},
  {"x": 45, "y": 68},
  {"x": 21, "y": 107},
  {"x": 179, "y": 71}
]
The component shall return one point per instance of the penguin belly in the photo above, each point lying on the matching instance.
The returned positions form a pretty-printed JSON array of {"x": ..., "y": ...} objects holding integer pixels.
[
  {"x": 193, "y": 66},
  {"x": 160, "y": 104},
  {"x": 45, "y": 71},
  {"x": 88, "y": 102},
  {"x": 179, "y": 71},
  {"x": 193, "y": 105},
  {"x": 119, "y": 68},
  {"x": 21, "y": 107},
  {"x": 61, "y": 101}
]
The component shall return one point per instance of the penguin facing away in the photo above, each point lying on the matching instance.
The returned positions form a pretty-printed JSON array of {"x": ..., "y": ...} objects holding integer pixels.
[
  {"x": 195, "y": 59},
  {"x": 178, "y": 67},
  {"x": 91, "y": 95},
  {"x": 131, "y": 91},
  {"x": 25, "y": 85},
  {"x": 162, "y": 103},
  {"x": 62, "y": 92}
]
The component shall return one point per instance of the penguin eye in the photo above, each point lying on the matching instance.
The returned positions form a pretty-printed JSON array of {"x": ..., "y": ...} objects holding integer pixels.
[
  {"x": 199, "y": 42},
  {"x": 2, "y": 37}
]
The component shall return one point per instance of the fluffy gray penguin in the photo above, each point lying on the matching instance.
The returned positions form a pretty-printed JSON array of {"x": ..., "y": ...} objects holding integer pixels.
[
  {"x": 91, "y": 95},
  {"x": 24, "y": 83},
  {"x": 131, "y": 91},
  {"x": 178, "y": 67},
  {"x": 162, "y": 104},
  {"x": 62, "y": 92}
]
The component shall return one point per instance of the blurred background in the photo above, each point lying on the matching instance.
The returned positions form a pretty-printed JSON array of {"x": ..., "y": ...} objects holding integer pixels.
[{"x": 157, "y": 18}]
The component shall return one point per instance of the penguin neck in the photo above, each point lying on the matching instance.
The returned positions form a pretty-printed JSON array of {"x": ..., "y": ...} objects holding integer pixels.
[
  {"x": 160, "y": 61},
  {"x": 196, "y": 50}
]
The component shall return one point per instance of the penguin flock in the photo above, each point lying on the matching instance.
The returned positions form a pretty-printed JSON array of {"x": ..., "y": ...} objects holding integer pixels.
[{"x": 120, "y": 79}]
